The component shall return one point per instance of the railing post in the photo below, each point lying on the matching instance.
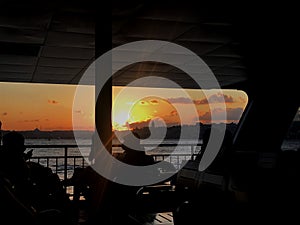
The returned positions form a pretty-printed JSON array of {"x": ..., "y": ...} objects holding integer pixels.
[
  {"x": 56, "y": 165},
  {"x": 66, "y": 164}
]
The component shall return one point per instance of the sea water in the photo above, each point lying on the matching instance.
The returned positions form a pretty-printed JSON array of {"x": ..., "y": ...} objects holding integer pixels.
[{"x": 58, "y": 165}]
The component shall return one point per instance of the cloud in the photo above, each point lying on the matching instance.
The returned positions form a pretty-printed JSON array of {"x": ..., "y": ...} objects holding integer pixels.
[
  {"x": 138, "y": 125},
  {"x": 154, "y": 102},
  {"x": 201, "y": 101},
  {"x": 215, "y": 98},
  {"x": 232, "y": 114},
  {"x": 180, "y": 100},
  {"x": 52, "y": 101},
  {"x": 4, "y": 114},
  {"x": 143, "y": 103}
]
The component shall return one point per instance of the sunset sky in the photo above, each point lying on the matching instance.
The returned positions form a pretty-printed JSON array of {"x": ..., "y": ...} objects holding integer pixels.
[{"x": 50, "y": 107}]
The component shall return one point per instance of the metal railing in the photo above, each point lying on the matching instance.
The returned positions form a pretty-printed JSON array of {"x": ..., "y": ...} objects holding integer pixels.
[
  {"x": 60, "y": 164},
  {"x": 64, "y": 164}
]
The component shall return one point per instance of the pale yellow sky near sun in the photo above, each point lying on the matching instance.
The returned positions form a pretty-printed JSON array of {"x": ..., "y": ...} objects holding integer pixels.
[{"x": 49, "y": 107}]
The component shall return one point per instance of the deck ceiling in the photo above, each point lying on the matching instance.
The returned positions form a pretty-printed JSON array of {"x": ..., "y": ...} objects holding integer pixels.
[{"x": 55, "y": 43}]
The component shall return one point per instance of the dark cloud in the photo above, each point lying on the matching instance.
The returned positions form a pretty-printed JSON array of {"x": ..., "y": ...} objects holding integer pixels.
[
  {"x": 180, "y": 100},
  {"x": 216, "y": 98},
  {"x": 138, "y": 125},
  {"x": 143, "y": 103},
  {"x": 163, "y": 121},
  {"x": 52, "y": 101},
  {"x": 227, "y": 98},
  {"x": 201, "y": 101},
  {"x": 154, "y": 102},
  {"x": 232, "y": 114}
]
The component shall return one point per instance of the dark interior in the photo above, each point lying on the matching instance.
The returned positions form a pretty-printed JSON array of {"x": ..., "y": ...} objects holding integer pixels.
[{"x": 248, "y": 46}]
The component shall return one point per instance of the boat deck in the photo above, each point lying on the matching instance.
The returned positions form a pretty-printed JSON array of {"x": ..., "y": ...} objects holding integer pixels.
[{"x": 165, "y": 218}]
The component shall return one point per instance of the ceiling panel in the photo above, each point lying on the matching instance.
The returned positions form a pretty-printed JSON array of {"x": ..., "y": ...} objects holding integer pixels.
[
  {"x": 15, "y": 77},
  {"x": 154, "y": 29},
  {"x": 171, "y": 13},
  {"x": 230, "y": 72},
  {"x": 19, "y": 35},
  {"x": 17, "y": 60},
  {"x": 68, "y": 52},
  {"x": 63, "y": 62},
  {"x": 51, "y": 78},
  {"x": 67, "y": 39},
  {"x": 24, "y": 18},
  {"x": 74, "y": 22},
  {"x": 207, "y": 34},
  {"x": 149, "y": 67},
  {"x": 55, "y": 42},
  {"x": 17, "y": 68},
  {"x": 219, "y": 61},
  {"x": 57, "y": 70},
  {"x": 200, "y": 48},
  {"x": 229, "y": 50}
]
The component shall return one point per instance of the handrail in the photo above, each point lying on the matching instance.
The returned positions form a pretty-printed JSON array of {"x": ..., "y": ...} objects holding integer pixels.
[
  {"x": 114, "y": 145},
  {"x": 69, "y": 162},
  {"x": 56, "y": 146}
]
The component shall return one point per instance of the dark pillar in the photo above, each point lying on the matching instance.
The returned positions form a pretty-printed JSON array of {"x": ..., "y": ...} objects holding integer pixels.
[
  {"x": 104, "y": 101},
  {"x": 99, "y": 207}
]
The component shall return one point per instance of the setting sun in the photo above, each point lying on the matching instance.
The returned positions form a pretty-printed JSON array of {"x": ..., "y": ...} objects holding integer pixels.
[
  {"x": 50, "y": 107},
  {"x": 154, "y": 109},
  {"x": 135, "y": 107}
]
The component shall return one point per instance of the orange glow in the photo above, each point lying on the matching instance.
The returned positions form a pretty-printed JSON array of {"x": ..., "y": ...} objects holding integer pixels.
[
  {"x": 30, "y": 106},
  {"x": 133, "y": 109},
  {"x": 49, "y": 107},
  {"x": 152, "y": 108}
]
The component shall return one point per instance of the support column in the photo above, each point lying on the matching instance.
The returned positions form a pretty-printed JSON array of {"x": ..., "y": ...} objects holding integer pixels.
[
  {"x": 103, "y": 114},
  {"x": 99, "y": 207},
  {"x": 103, "y": 44}
]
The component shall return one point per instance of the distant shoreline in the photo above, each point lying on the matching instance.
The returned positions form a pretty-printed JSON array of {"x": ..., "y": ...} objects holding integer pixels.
[{"x": 173, "y": 132}]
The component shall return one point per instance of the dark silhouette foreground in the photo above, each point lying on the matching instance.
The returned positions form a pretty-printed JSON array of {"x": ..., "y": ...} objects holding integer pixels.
[{"x": 30, "y": 192}]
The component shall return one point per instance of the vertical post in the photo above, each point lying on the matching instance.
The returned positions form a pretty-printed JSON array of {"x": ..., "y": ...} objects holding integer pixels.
[
  {"x": 103, "y": 114},
  {"x": 99, "y": 208},
  {"x": 66, "y": 164},
  {"x": 56, "y": 165},
  {"x": 0, "y": 134},
  {"x": 103, "y": 43}
]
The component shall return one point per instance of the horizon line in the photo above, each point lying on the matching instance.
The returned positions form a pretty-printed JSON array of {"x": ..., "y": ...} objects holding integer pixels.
[{"x": 89, "y": 130}]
